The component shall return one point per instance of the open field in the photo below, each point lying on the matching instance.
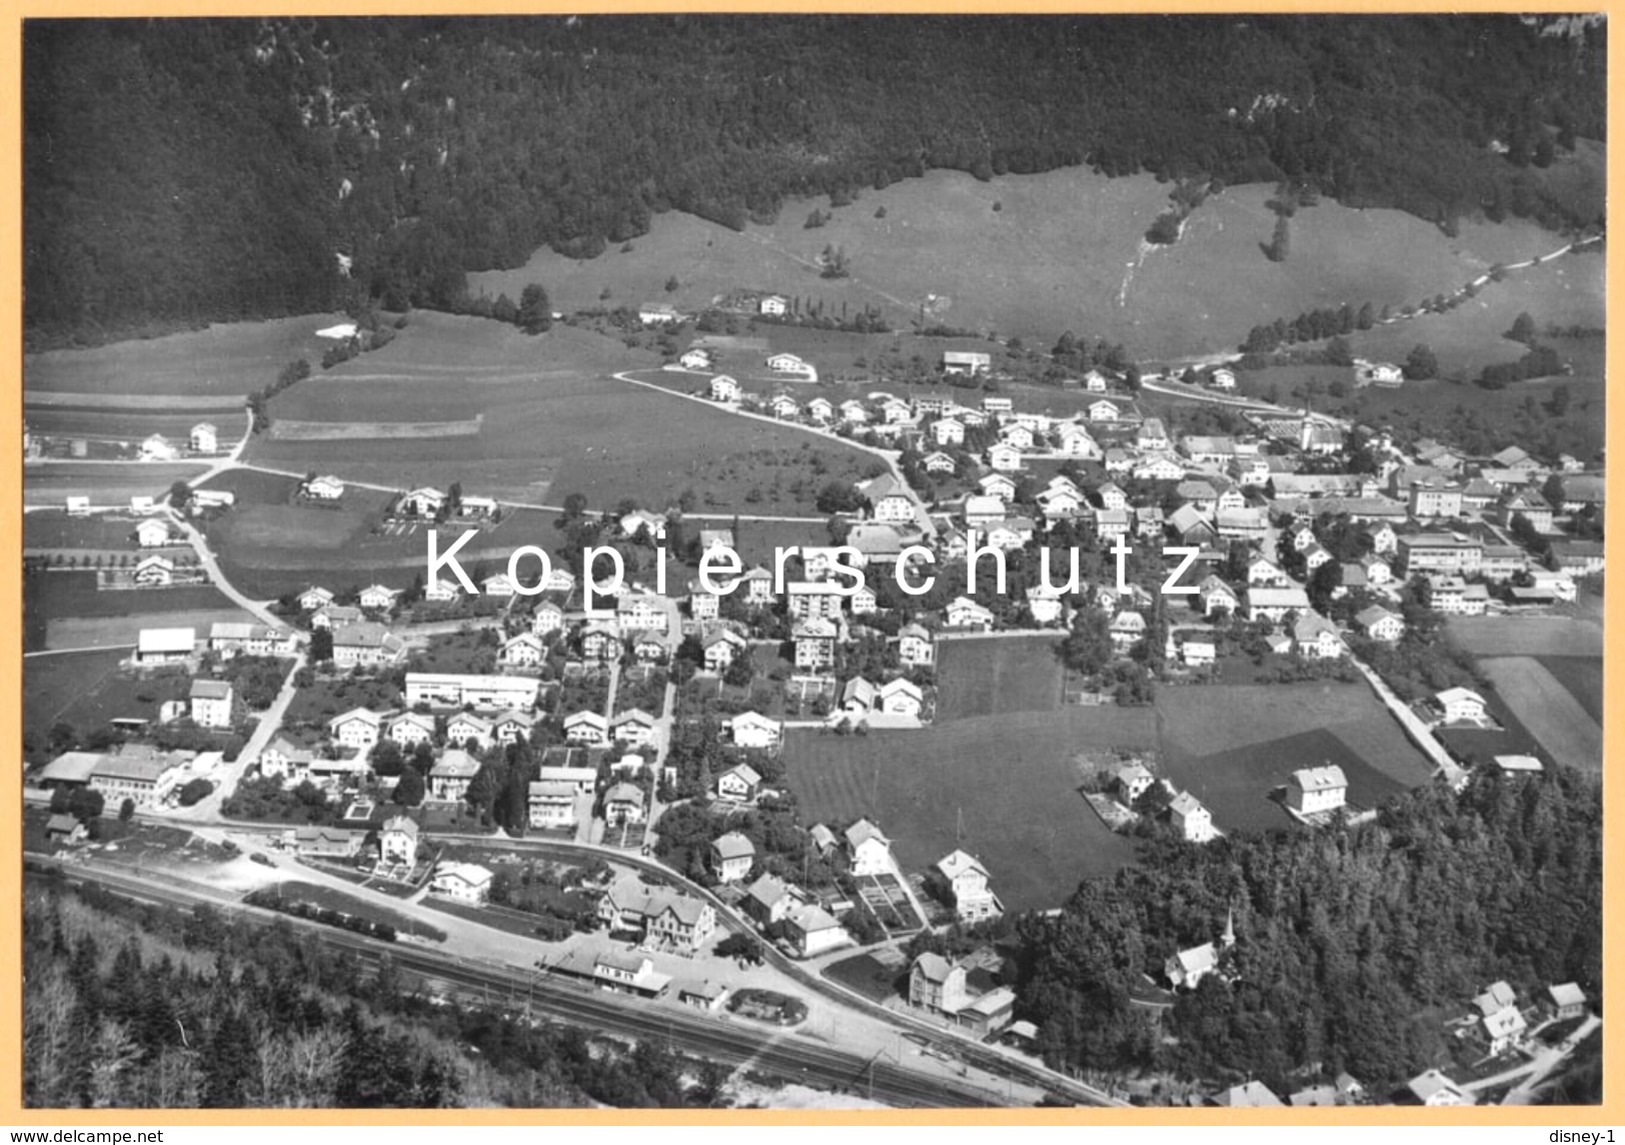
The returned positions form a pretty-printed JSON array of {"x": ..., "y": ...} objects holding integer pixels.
[
  {"x": 1076, "y": 238},
  {"x": 54, "y": 529},
  {"x": 65, "y": 610},
  {"x": 997, "y": 676},
  {"x": 102, "y": 632},
  {"x": 330, "y": 899},
  {"x": 134, "y": 425},
  {"x": 285, "y": 430},
  {"x": 1525, "y": 636},
  {"x": 253, "y": 487},
  {"x": 1211, "y": 719},
  {"x": 39, "y": 401},
  {"x": 1012, "y": 776},
  {"x": 1547, "y": 709},
  {"x": 105, "y": 483},
  {"x": 53, "y": 684},
  {"x": 116, "y": 694},
  {"x": 232, "y": 360},
  {"x": 553, "y": 423},
  {"x": 1582, "y": 677},
  {"x": 1565, "y": 291}
]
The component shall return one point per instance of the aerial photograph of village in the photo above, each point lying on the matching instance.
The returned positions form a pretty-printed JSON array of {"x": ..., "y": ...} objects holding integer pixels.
[{"x": 813, "y": 562}]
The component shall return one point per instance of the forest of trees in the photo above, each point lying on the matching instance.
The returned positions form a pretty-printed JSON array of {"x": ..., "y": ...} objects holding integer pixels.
[
  {"x": 1352, "y": 948},
  {"x": 180, "y": 171},
  {"x": 134, "y": 1005}
]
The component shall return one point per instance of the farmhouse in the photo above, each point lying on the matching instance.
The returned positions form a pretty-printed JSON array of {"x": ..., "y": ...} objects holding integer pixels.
[
  {"x": 1004, "y": 457},
  {"x": 450, "y": 777},
  {"x": 1103, "y": 410},
  {"x": 152, "y": 533},
  {"x": 789, "y": 364},
  {"x": 1460, "y": 705},
  {"x": 1567, "y": 1000},
  {"x": 411, "y": 728},
  {"x": 1380, "y": 624},
  {"x": 1317, "y": 789},
  {"x": 1198, "y": 652},
  {"x": 1075, "y": 441},
  {"x": 334, "y": 616},
  {"x": 154, "y": 572},
  {"x": 356, "y": 729},
  {"x": 767, "y": 900},
  {"x": 868, "y": 850},
  {"x": 738, "y": 784},
  {"x": 213, "y": 703},
  {"x": 204, "y": 438},
  {"x": 732, "y": 856},
  {"x": 158, "y": 448},
  {"x": 1133, "y": 780},
  {"x": 1434, "y": 1088},
  {"x": 324, "y": 488},
  {"x": 462, "y": 882},
  {"x": 1316, "y": 637},
  {"x": 326, "y": 842},
  {"x": 523, "y": 651},
  {"x": 773, "y": 305},
  {"x": 720, "y": 646},
  {"x": 377, "y": 596},
  {"x": 1193, "y": 821},
  {"x": 586, "y": 727},
  {"x": 422, "y": 502},
  {"x": 966, "y": 362},
  {"x": 695, "y": 359},
  {"x": 398, "y": 841},
  {"x": 889, "y": 498},
  {"x": 636, "y": 728},
  {"x": 314, "y": 597},
  {"x": 968, "y": 891},
  {"x": 658, "y": 314},
  {"x": 964, "y": 612},
  {"x": 365, "y": 643},
  {"x": 900, "y": 697},
  {"x": 750, "y": 729},
  {"x": 812, "y": 930},
  {"x": 914, "y": 647}
]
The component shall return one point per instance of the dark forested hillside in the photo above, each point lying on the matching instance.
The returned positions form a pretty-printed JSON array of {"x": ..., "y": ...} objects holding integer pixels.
[
  {"x": 185, "y": 170},
  {"x": 133, "y": 1005},
  {"x": 1352, "y": 948}
]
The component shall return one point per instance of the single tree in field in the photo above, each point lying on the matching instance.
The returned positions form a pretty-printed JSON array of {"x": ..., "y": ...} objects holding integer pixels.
[
  {"x": 535, "y": 312},
  {"x": 1421, "y": 364},
  {"x": 126, "y": 811},
  {"x": 1523, "y": 328}
]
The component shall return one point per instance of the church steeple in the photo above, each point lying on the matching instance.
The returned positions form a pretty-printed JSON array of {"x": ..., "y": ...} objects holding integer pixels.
[{"x": 1229, "y": 938}]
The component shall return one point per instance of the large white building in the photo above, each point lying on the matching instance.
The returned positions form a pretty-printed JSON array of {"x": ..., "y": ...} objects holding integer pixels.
[{"x": 449, "y": 690}]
